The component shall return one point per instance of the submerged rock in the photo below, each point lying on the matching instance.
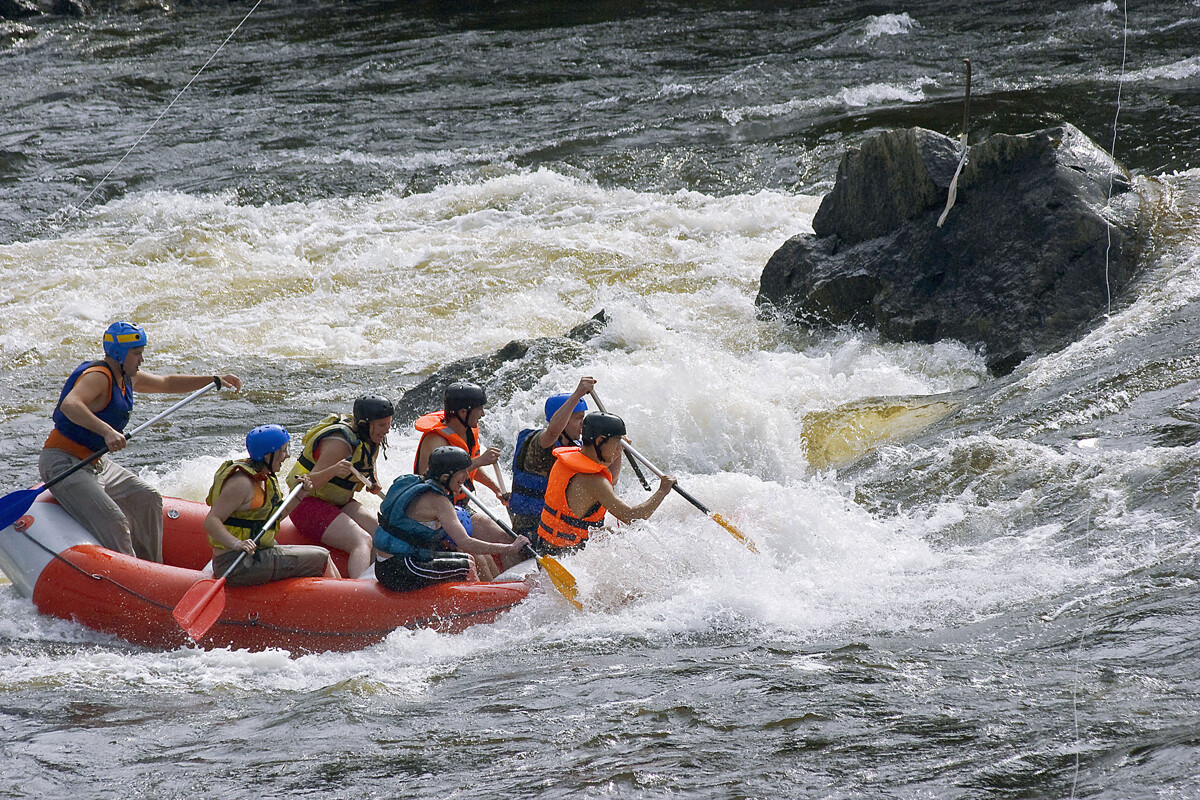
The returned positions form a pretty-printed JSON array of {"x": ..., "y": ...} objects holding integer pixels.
[
  {"x": 515, "y": 367},
  {"x": 19, "y": 9},
  {"x": 1031, "y": 253},
  {"x": 10, "y": 34}
]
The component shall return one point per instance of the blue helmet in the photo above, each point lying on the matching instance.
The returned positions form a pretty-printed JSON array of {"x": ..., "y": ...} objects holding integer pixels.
[
  {"x": 120, "y": 338},
  {"x": 264, "y": 440},
  {"x": 555, "y": 402}
]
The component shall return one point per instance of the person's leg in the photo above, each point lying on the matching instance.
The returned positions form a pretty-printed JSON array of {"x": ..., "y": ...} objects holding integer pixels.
[
  {"x": 82, "y": 496},
  {"x": 142, "y": 506},
  {"x": 345, "y": 534},
  {"x": 486, "y": 530},
  {"x": 404, "y": 574},
  {"x": 273, "y": 564}
]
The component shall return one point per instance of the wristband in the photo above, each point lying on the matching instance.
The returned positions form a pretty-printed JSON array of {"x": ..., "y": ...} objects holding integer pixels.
[{"x": 217, "y": 381}]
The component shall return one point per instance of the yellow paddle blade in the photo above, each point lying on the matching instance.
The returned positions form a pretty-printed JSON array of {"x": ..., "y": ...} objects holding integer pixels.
[
  {"x": 741, "y": 537},
  {"x": 563, "y": 581}
]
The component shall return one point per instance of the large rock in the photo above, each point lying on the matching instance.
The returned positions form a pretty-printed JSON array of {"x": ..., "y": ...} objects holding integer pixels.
[
  {"x": 517, "y": 366},
  {"x": 1022, "y": 264}
]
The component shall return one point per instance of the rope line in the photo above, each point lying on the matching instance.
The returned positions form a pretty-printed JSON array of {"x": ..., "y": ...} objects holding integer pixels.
[
  {"x": 1112, "y": 152},
  {"x": 145, "y": 133}
]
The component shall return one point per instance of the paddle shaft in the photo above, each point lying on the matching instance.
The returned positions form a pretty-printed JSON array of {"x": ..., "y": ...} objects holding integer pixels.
[
  {"x": 271, "y": 520},
  {"x": 503, "y": 525},
  {"x": 215, "y": 384},
  {"x": 633, "y": 452},
  {"x": 632, "y": 461},
  {"x": 563, "y": 580}
]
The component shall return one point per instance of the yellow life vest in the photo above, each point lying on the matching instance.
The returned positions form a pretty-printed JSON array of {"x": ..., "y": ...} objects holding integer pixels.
[
  {"x": 246, "y": 523},
  {"x": 339, "y": 490}
]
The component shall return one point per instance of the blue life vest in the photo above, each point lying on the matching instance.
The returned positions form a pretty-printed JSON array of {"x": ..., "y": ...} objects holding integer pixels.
[
  {"x": 528, "y": 488},
  {"x": 116, "y": 413},
  {"x": 400, "y": 534}
]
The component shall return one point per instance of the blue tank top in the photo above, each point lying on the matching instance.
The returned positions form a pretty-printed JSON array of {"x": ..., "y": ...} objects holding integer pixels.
[
  {"x": 116, "y": 413},
  {"x": 528, "y": 488}
]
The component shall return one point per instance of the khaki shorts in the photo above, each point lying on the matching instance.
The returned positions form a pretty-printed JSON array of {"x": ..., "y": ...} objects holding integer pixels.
[{"x": 272, "y": 564}]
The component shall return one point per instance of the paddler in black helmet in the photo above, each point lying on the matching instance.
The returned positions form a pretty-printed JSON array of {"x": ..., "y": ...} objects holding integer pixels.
[
  {"x": 457, "y": 425},
  {"x": 339, "y": 455},
  {"x": 580, "y": 489},
  {"x": 423, "y": 537}
]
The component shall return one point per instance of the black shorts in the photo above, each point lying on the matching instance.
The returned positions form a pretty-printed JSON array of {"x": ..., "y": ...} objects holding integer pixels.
[
  {"x": 544, "y": 548},
  {"x": 405, "y": 573}
]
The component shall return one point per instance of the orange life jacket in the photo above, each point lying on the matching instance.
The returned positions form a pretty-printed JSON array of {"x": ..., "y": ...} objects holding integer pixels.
[
  {"x": 559, "y": 526},
  {"x": 435, "y": 422}
]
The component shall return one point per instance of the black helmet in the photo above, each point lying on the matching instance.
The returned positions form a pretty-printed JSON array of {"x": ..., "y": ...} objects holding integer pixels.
[
  {"x": 446, "y": 461},
  {"x": 371, "y": 407},
  {"x": 597, "y": 424},
  {"x": 464, "y": 396}
]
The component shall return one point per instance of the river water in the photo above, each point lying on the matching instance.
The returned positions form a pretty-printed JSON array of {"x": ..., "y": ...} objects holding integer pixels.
[{"x": 353, "y": 195}]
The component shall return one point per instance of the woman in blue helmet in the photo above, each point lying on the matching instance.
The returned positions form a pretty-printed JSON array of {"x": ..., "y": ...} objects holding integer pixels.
[
  {"x": 245, "y": 494},
  {"x": 122, "y": 511},
  {"x": 534, "y": 455}
]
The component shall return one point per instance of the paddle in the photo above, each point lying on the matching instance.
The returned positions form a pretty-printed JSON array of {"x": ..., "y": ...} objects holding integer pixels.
[
  {"x": 632, "y": 461},
  {"x": 717, "y": 518},
  {"x": 500, "y": 479},
  {"x": 200, "y": 607},
  {"x": 563, "y": 580},
  {"x": 365, "y": 481},
  {"x": 14, "y": 504}
]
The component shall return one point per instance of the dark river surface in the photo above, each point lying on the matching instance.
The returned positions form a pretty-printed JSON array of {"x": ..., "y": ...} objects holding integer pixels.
[{"x": 349, "y": 196}]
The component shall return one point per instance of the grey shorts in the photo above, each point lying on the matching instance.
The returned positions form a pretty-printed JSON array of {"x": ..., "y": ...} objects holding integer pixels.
[{"x": 272, "y": 564}]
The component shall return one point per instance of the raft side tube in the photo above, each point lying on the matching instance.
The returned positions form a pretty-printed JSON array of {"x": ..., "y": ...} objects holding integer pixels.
[{"x": 21, "y": 557}]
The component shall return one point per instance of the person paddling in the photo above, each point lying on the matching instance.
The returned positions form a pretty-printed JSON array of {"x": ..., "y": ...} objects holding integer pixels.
[
  {"x": 580, "y": 489},
  {"x": 533, "y": 458},
  {"x": 121, "y": 510},
  {"x": 245, "y": 494},
  {"x": 457, "y": 425},
  {"x": 418, "y": 520},
  {"x": 339, "y": 457}
]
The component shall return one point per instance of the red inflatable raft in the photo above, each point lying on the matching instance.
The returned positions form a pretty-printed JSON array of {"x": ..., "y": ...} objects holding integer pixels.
[{"x": 52, "y": 559}]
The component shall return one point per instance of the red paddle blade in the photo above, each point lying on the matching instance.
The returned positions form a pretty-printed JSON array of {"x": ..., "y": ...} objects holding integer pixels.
[{"x": 197, "y": 610}]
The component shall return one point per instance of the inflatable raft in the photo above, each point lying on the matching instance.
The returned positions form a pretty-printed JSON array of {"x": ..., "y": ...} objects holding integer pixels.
[{"x": 51, "y": 559}]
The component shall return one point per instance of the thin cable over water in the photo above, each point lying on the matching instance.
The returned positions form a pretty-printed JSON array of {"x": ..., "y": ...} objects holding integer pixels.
[{"x": 145, "y": 133}]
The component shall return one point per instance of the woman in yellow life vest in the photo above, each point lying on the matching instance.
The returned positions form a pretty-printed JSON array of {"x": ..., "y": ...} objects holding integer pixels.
[
  {"x": 580, "y": 489},
  {"x": 339, "y": 457},
  {"x": 457, "y": 425},
  {"x": 244, "y": 494}
]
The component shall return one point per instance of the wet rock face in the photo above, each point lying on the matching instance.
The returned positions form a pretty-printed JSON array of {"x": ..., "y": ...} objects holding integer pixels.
[
  {"x": 515, "y": 367},
  {"x": 1022, "y": 264}
]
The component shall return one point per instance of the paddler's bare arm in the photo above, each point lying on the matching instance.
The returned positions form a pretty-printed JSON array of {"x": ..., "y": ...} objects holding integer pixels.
[
  {"x": 176, "y": 384},
  {"x": 428, "y": 444},
  {"x": 557, "y": 423},
  {"x": 447, "y": 520},
  {"x": 486, "y": 459},
  {"x": 586, "y": 490},
  {"x": 332, "y": 453},
  {"x": 236, "y": 494}
]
